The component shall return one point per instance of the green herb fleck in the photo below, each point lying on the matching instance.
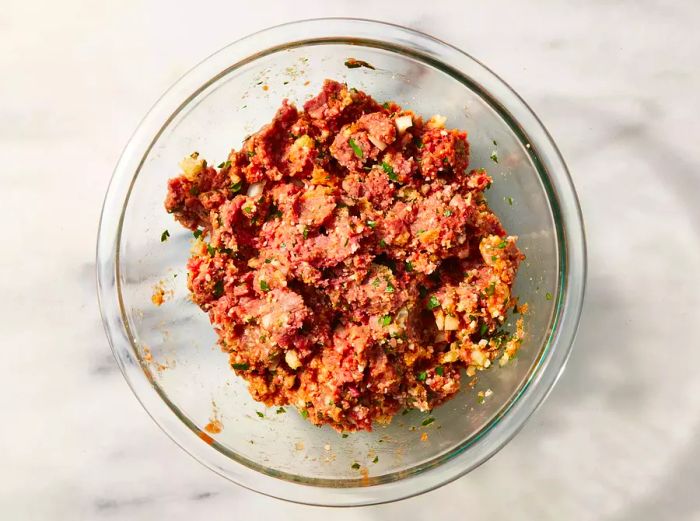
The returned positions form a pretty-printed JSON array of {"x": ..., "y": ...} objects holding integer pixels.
[
  {"x": 218, "y": 288},
  {"x": 375, "y": 282},
  {"x": 422, "y": 376},
  {"x": 427, "y": 421},
  {"x": 382, "y": 243},
  {"x": 494, "y": 157},
  {"x": 418, "y": 143},
  {"x": 304, "y": 413},
  {"x": 224, "y": 164},
  {"x": 385, "y": 104},
  {"x": 306, "y": 232},
  {"x": 264, "y": 286},
  {"x": 439, "y": 370},
  {"x": 197, "y": 234},
  {"x": 164, "y": 236},
  {"x": 235, "y": 187},
  {"x": 376, "y": 459},
  {"x": 194, "y": 190},
  {"x": 250, "y": 153},
  {"x": 491, "y": 289},
  {"x": 548, "y": 296},
  {"x": 372, "y": 224},
  {"x": 447, "y": 213},
  {"x": 240, "y": 367},
  {"x": 211, "y": 250},
  {"x": 385, "y": 320},
  {"x": 280, "y": 410},
  {"x": 510, "y": 200},
  {"x": 433, "y": 302},
  {"x": 344, "y": 435},
  {"x": 494, "y": 143},
  {"x": 247, "y": 209},
  {"x": 502, "y": 244},
  {"x": 355, "y": 148},
  {"x": 405, "y": 412},
  {"x": 483, "y": 329},
  {"x": 389, "y": 171},
  {"x": 409, "y": 266},
  {"x": 390, "y": 287},
  {"x": 355, "y": 466}
]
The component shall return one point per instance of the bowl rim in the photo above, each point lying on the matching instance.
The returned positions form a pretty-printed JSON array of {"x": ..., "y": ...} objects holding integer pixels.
[{"x": 554, "y": 176}]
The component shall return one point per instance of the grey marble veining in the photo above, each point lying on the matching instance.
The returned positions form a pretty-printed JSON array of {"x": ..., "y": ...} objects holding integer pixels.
[{"x": 616, "y": 83}]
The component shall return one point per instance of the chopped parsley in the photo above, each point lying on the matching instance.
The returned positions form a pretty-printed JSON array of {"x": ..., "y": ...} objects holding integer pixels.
[
  {"x": 418, "y": 143},
  {"x": 356, "y": 148},
  {"x": 306, "y": 232},
  {"x": 355, "y": 466},
  {"x": 376, "y": 458},
  {"x": 422, "y": 376},
  {"x": 264, "y": 286},
  {"x": 304, "y": 413},
  {"x": 382, "y": 243},
  {"x": 164, "y": 236},
  {"x": 491, "y": 289},
  {"x": 494, "y": 157},
  {"x": 385, "y": 320},
  {"x": 439, "y": 370},
  {"x": 375, "y": 282},
  {"x": 483, "y": 329},
  {"x": 235, "y": 187},
  {"x": 390, "y": 287},
  {"x": 197, "y": 233},
  {"x": 427, "y": 421},
  {"x": 409, "y": 266},
  {"x": 548, "y": 296},
  {"x": 372, "y": 224},
  {"x": 510, "y": 200},
  {"x": 240, "y": 367},
  {"x": 385, "y": 104},
  {"x": 218, "y": 289},
  {"x": 211, "y": 250},
  {"x": 494, "y": 143},
  {"x": 494, "y": 257},
  {"x": 433, "y": 302},
  {"x": 250, "y": 153},
  {"x": 225, "y": 164},
  {"x": 389, "y": 171},
  {"x": 247, "y": 209},
  {"x": 447, "y": 213},
  {"x": 281, "y": 410},
  {"x": 502, "y": 244},
  {"x": 194, "y": 191},
  {"x": 260, "y": 415}
]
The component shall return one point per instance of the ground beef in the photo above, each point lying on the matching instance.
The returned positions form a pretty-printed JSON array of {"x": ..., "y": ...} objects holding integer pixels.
[{"x": 348, "y": 260}]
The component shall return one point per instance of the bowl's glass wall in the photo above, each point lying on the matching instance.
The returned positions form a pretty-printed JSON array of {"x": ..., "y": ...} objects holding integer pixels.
[{"x": 191, "y": 373}]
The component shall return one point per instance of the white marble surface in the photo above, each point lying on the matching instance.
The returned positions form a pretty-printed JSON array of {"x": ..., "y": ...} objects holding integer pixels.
[{"x": 616, "y": 82}]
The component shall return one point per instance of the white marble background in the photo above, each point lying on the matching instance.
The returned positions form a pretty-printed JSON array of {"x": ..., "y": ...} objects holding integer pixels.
[{"x": 616, "y": 82}]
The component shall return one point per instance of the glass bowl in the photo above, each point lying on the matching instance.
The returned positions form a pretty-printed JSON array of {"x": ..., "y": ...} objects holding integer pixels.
[{"x": 167, "y": 353}]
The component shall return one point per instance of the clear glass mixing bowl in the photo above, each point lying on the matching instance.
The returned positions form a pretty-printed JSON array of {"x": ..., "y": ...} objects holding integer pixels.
[{"x": 168, "y": 353}]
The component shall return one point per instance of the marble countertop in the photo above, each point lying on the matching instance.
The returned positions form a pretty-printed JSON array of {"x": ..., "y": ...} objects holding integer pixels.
[{"x": 616, "y": 83}]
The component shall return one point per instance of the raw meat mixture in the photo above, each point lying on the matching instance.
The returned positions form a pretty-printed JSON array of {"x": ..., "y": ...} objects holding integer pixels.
[{"x": 348, "y": 260}]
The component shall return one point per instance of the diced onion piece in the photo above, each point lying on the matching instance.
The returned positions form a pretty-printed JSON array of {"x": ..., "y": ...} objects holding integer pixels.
[
  {"x": 439, "y": 319},
  {"x": 451, "y": 323},
  {"x": 266, "y": 321},
  {"x": 192, "y": 166},
  {"x": 437, "y": 121},
  {"x": 403, "y": 123},
  {"x": 255, "y": 189},
  {"x": 292, "y": 359},
  {"x": 377, "y": 142}
]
